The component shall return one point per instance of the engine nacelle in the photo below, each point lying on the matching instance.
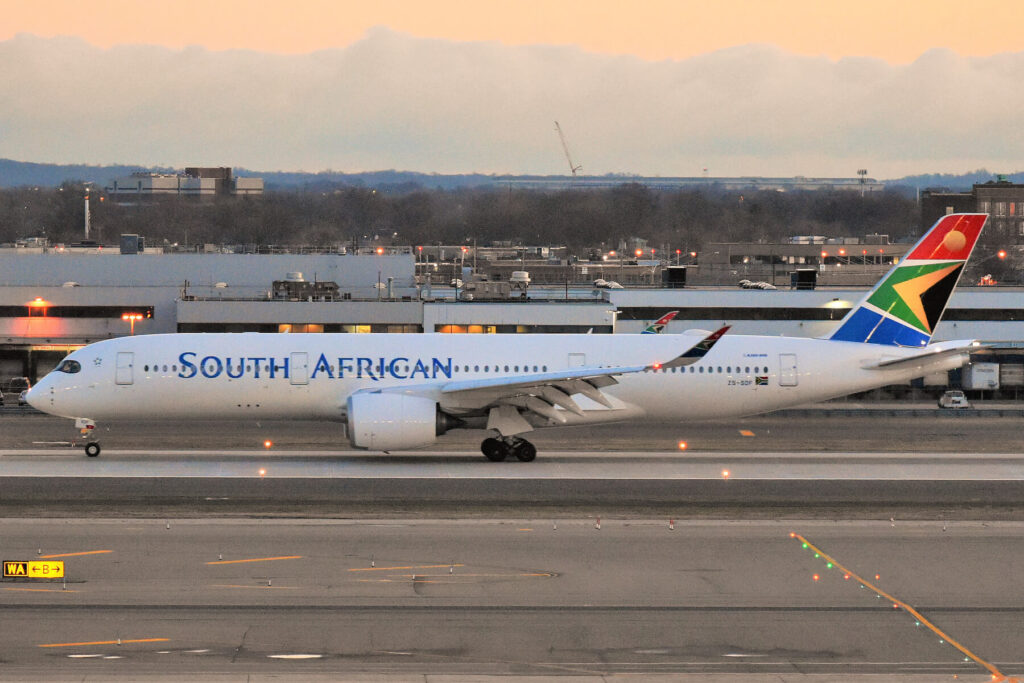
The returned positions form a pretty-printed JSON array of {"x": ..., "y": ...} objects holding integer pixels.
[{"x": 384, "y": 422}]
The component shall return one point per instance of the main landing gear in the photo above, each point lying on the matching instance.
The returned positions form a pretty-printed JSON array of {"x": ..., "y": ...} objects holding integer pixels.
[
  {"x": 496, "y": 450},
  {"x": 92, "y": 449}
]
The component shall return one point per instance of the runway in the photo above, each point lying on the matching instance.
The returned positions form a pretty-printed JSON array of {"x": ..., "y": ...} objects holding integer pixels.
[
  {"x": 342, "y": 484},
  {"x": 211, "y": 558},
  {"x": 398, "y": 598}
]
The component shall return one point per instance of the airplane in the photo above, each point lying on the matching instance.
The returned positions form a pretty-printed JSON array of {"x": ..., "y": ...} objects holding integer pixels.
[{"x": 402, "y": 391}]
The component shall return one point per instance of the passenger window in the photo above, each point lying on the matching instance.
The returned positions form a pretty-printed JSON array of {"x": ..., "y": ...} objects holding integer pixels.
[
  {"x": 545, "y": 368},
  {"x": 746, "y": 370},
  {"x": 702, "y": 369},
  {"x": 165, "y": 368},
  {"x": 516, "y": 368},
  {"x": 486, "y": 368}
]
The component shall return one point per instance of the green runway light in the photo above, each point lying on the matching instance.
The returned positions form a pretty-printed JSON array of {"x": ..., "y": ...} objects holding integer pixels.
[
  {"x": 805, "y": 546},
  {"x": 829, "y": 565}
]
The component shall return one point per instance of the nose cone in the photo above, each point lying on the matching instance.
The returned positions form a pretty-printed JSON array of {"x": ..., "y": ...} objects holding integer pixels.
[{"x": 35, "y": 396}]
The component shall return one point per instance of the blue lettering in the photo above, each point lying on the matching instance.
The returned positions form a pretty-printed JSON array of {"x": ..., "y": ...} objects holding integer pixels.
[
  {"x": 446, "y": 370},
  {"x": 186, "y": 365},
  {"x": 420, "y": 367},
  {"x": 393, "y": 367},
  {"x": 344, "y": 365},
  {"x": 367, "y": 365},
  {"x": 256, "y": 365},
  {"x": 322, "y": 366},
  {"x": 240, "y": 369},
  {"x": 274, "y": 367},
  {"x": 204, "y": 365}
]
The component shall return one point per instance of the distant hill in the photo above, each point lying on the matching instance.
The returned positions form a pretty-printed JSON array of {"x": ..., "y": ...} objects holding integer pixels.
[
  {"x": 27, "y": 174},
  {"x": 955, "y": 183}
]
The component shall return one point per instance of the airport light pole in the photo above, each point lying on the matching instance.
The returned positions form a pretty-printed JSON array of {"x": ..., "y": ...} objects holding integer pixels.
[{"x": 131, "y": 318}]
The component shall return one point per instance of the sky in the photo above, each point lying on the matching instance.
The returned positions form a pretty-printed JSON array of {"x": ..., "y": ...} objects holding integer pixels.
[{"x": 652, "y": 87}]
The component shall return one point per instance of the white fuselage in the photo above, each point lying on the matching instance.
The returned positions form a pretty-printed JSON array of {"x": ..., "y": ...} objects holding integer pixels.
[{"x": 309, "y": 376}]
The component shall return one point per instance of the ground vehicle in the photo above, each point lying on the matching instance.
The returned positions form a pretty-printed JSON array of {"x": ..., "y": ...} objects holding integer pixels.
[
  {"x": 14, "y": 386},
  {"x": 954, "y": 399}
]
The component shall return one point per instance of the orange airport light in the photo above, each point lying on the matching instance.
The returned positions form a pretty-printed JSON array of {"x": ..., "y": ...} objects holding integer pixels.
[
  {"x": 38, "y": 306},
  {"x": 1002, "y": 253},
  {"x": 380, "y": 250},
  {"x": 131, "y": 318}
]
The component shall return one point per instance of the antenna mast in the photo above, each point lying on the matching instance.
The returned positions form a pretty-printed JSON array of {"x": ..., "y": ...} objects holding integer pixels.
[{"x": 565, "y": 147}]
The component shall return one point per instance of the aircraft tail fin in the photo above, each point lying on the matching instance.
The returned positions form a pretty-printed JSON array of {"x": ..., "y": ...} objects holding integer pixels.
[
  {"x": 658, "y": 325},
  {"x": 906, "y": 305}
]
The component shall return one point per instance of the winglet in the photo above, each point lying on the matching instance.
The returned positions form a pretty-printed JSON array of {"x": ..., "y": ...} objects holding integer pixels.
[
  {"x": 658, "y": 325},
  {"x": 698, "y": 350},
  {"x": 904, "y": 308}
]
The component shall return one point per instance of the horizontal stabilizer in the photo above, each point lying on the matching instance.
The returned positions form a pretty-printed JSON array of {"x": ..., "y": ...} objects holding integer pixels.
[{"x": 931, "y": 354}]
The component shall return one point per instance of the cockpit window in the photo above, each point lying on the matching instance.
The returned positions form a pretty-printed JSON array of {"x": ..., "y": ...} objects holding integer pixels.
[{"x": 69, "y": 366}]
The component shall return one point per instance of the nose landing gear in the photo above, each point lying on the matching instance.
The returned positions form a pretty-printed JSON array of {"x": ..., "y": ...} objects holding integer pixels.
[
  {"x": 496, "y": 450},
  {"x": 85, "y": 427}
]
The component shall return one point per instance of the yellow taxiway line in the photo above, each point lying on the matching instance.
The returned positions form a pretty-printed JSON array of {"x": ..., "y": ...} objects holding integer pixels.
[
  {"x": 258, "y": 559},
  {"x": 106, "y": 642},
  {"x": 86, "y": 552}
]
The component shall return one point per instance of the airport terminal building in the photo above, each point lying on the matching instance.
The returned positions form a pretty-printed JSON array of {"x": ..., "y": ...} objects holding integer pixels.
[{"x": 52, "y": 303}]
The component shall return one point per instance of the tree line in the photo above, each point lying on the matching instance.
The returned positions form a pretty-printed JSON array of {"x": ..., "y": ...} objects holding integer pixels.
[{"x": 580, "y": 219}]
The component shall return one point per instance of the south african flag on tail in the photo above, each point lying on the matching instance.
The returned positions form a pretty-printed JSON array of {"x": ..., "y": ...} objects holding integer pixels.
[{"x": 904, "y": 308}]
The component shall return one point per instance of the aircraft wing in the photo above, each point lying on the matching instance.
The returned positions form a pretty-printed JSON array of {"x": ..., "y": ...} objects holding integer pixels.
[
  {"x": 503, "y": 399},
  {"x": 927, "y": 355}
]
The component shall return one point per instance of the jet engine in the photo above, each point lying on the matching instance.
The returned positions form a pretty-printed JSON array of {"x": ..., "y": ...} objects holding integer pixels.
[{"x": 386, "y": 421}]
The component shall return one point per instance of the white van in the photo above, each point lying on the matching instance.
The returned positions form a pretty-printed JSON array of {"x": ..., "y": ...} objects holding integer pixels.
[{"x": 954, "y": 399}]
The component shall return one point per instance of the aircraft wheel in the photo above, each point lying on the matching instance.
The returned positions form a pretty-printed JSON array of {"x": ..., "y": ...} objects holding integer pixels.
[
  {"x": 494, "y": 450},
  {"x": 525, "y": 451},
  {"x": 92, "y": 449}
]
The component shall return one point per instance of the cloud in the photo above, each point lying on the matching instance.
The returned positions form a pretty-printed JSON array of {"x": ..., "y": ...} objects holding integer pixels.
[{"x": 394, "y": 101}]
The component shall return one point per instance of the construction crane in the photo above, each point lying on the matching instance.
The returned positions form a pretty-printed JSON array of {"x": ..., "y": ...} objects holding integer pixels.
[{"x": 565, "y": 147}]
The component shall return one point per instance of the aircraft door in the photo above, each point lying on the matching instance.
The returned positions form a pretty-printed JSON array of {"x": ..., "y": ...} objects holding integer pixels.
[
  {"x": 125, "y": 363},
  {"x": 299, "y": 372},
  {"x": 577, "y": 360},
  {"x": 787, "y": 370}
]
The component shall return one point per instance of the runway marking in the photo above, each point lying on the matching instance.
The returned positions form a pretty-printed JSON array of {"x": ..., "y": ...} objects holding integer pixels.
[
  {"x": 85, "y": 552},
  {"x": 484, "y": 576},
  {"x": 236, "y": 585},
  {"x": 996, "y": 674},
  {"x": 41, "y": 590},
  {"x": 106, "y": 642},
  {"x": 746, "y": 432},
  {"x": 258, "y": 559},
  {"x": 412, "y": 566}
]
